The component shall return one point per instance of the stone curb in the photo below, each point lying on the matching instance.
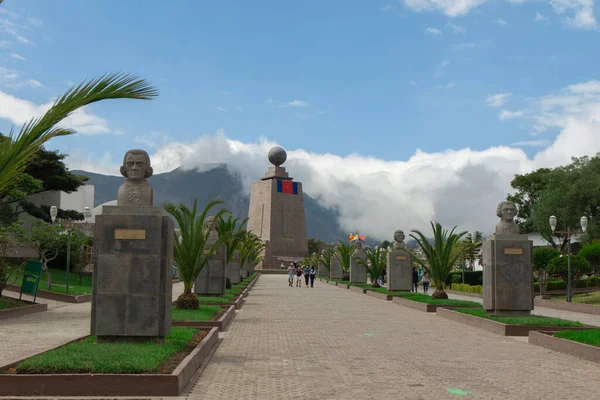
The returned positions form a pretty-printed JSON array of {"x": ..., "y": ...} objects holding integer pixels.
[
  {"x": 221, "y": 323},
  {"x": 381, "y": 296},
  {"x": 44, "y": 294},
  {"x": 564, "y": 306},
  {"x": 108, "y": 384},
  {"x": 499, "y": 327},
  {"x": 357, "y": 289},
  {"x": 24, "y": 310},
  {"x": 575, "y": 349}
]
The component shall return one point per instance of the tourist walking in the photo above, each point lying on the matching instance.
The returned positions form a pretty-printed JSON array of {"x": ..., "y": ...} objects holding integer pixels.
[
  {"x": 313, "y": 274},
  {"x": 298, "y": 276},
  {"x": 425, "y": 279},
  {"x": 306, "y": 272},
  {"x": 291, "y": 272},
  {"x": 415, "y": 280}
]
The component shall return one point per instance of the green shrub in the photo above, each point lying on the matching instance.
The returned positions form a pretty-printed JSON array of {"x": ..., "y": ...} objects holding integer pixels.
[
  {"x": 463, "y": 287},
  {"x": 558, "y": 266},
  {"x": 471, "y": 278}
]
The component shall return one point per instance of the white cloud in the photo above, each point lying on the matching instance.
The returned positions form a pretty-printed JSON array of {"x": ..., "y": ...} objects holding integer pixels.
[
  {"x": 19, "y": 111},
  {"x": 540, "y": 18},
  {"x": 456, "y": 186},
  {"x": 497, "y": 100},
  {"x": 580, "y": 12},
  {"x": 35, "y": 22},
  {"x": 295, "y": 103},
  {"x": 455, "y": 28},
  {"x": 23, "y": 40},
  {"x": 451, "y": 8},
  {"x": 221, "y": 109},
  {"x": 448, "y": 85},
  {"x": 441, "y": 69},
  {"x": 4, "y": 43},
  {"x": 433, "y": 31},
  {"x": 463, "y": 46},
  {"x": 531, "y": 143},
  {"x": 17, "y": 56},
  {"x": 500, "y": 21},
  {"x": 506, "y": 114}
]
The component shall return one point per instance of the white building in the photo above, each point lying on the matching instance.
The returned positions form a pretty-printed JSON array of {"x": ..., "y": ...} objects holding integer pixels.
[{"x": 78, "y": 201}]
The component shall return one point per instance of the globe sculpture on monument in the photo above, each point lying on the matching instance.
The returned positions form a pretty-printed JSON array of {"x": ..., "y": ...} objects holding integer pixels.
[
  {"x": 507, "y": 266},
  {"x": 276, "y": 214}
]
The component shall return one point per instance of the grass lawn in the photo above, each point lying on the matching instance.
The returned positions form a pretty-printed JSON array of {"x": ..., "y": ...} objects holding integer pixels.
[
  {"x": 226, "y": 298},
  {"x": 423, "y": 298},
  {"x": 583, "y": 298},
  {"x": 591, "y": 337},
  {"x": 237, "y": 288},
  {"x": 204, "y": 313},
  {"x": 512, "y": 320},
  {"x": 85, "y": 356},
  {"x": 59, "y": 279},
  {"x": 6, "y": 303}
]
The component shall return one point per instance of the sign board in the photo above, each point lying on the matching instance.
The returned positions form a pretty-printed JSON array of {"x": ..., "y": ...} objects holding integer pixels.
[
  {"x": 130, "y": 234},
  {"x": 513, "y": 251}
]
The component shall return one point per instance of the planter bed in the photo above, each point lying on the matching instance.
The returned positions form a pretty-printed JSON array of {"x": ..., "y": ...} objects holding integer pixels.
[
  {"x": 169, "y": 379},
  {"x": 45, "y": 294},
  {"x": 342, "y": 285},
  {"x": 563, "y": 305},
  {"x": 379, "y": 295},
  {"x": 21, "y": 307},
  {"x": 425, "y": 307},
  {"x": 357, "y": 289},
  {"x": 566, "y": 346},
  {"x": 478, "y": 295},
  {"x": 502, "y": 328},
  {"x": 220, "y": 321}
]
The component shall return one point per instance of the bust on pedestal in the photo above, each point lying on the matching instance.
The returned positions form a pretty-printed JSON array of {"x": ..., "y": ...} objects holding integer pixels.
[
  {"x": 507, "y": 266},
  {"x": 212, "y": 279},
  {"x": 399, "y": 265},
  {"x": 358, "y": 273},
  {"x": 133, "y": 259}
]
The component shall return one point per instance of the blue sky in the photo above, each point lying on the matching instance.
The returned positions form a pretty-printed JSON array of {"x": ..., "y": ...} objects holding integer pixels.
[{"x": 380, "y": 79}]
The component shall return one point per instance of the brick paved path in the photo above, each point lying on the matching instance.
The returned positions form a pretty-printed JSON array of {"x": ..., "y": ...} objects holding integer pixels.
[{"x": 298, "y": 343}]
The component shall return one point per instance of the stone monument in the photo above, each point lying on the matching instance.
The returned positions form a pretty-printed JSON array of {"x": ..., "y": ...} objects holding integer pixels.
[
  {"x": 335, "y": 271},
  {"x": 322, "y": 270},
  {"x": 233, "y": 268},
  {"x": 212, "y": 279},
  {"x": 358, "y": 273},
  {"x": 507, "y": 266},
  {"x": 133, "y": 259},
  {"x": 276, "y": 214},
  {"x": 399, "y": 265}
]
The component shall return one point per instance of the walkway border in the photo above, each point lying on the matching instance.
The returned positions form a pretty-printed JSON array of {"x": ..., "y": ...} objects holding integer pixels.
[{"x": 576, "y": 349}]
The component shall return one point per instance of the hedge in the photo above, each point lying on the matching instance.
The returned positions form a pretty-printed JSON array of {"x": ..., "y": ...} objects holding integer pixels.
[
  {"x": 460, "y": 287},
  {"x": 472, "y": 278}
]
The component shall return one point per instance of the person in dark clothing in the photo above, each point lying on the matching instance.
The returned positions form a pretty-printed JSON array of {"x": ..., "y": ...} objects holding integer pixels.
[
  {"x": 415, "y": 280},
  {"x": 313, "y": 273},
  {"x": 306, "y": 272}
]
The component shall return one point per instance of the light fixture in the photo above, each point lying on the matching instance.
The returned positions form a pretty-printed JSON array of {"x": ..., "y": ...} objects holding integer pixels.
[
  {"x": 584, "y": 223},
  {"x": 473, "y": 237},
  {"x": 53, "y": 213},
  {"x": 553, "y": 223}
]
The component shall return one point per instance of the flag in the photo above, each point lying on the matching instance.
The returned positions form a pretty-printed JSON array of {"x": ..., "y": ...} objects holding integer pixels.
[
  {"x": 287, "y": 186},
  {"x": 361, "y": 238}
]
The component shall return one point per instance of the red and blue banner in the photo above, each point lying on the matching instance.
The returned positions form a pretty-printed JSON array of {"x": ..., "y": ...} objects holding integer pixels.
[{"x": 286, "y": 186}]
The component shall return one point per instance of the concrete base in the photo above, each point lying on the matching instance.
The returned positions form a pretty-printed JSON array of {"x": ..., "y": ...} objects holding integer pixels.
[
  {"x": 212, "y": 279},
  {"x": 399, "y": 271},
  {"x": 358, "y": 273},
  {"x": 336, "y": 270}
]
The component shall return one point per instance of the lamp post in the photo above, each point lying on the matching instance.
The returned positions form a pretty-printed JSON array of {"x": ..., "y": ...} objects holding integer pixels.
[
  {"x": 53, "y": 213},
  {"x": 68, "y": 227},
  {"x": 584, "y": 223},
  {"x": 463, "y": 262},
  {"x": 473, "y": 239},
  {"x": 87, "y": 213}
]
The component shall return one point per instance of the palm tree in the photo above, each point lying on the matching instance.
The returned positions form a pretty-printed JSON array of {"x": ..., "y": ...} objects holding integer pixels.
[
  {"x": 191, "y": 248},
  {"x": 439, "y": 257},
  {"x": 250, "y": 247},
  {"x": 15, "y": 152},
  {"x": 230, "y": 233},
  {"x": 344, "y": 253},
  {"x": 374, "y": 263},
  {"x": 325, "y": 258}
]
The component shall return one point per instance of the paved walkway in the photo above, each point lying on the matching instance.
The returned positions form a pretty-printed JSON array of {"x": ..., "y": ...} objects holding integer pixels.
[{"x": 330, "y": 343}]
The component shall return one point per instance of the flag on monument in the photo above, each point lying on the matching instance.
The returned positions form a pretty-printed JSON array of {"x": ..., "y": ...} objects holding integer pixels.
[{"x": 287, "y": 186}]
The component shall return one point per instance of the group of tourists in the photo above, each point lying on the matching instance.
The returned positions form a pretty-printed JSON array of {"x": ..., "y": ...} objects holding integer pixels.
[
  {"x": 423, "y": 277},
  {"x": 295, "y": 270}
]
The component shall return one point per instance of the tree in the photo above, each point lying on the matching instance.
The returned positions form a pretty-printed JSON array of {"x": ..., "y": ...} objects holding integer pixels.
[
  {"x": 46, "y": 239},
  {"x": 315, "y": 245},
  {"x": 528, "y": 188},
  {"x": 250, "y": 247},
  {"x": 230, "y": 233},
  {"x": 325, "y": 258},
  {"x": 559, "y": 266},
  {"x": 439, "y": 256},
  {"x": 541, "y": 257},
  {"x": 44, "y": 172},
  {"x": 385, "y": 244},
  {"x": 191, "y": 248},
  {"x": 374, "y": 263},
  {"x": 591, "y": 252},
  {"x": 343, "y": 253},
  {"x": 20, "y": 148},
  {"x": 7, "y": 269}
]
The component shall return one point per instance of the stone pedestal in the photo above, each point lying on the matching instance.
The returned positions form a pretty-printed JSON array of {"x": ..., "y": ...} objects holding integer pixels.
[
  {"x": 245, "y": 271},
  {"x": 132, "y": 289},
  {"x": 336, "y": 270},
  {"x": 322, "y": 270},
  {"x": 399, "y": 270},
  {"x": 211, "y": 280},
  {"x": 508, "y": 274},
  {"x": 233, "y": 269},
  {"x": 358, "y": 273}
]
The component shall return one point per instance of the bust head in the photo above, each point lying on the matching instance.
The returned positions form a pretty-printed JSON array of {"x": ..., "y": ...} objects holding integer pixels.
[
  {"x": 507, "y": 211},
  {"x": 210, "y": 221},
  {"x": 136, "y": 165},
  {"x": 399, "y": 236}
]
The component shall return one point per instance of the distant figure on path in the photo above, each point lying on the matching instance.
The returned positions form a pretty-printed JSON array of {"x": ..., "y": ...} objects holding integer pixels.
[
  {"x": 415, "y": 280},
  {"x": 306, "y": 272},
  {"x": 298, "y": 276},
  {"x": 291, "y": 272},
  {"x": 313, "y": 273},
  {"x": 425, "y": 279}
]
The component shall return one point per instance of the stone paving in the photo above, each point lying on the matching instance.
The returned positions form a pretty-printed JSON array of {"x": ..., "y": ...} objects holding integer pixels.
[{"x": 330, "y": 343}]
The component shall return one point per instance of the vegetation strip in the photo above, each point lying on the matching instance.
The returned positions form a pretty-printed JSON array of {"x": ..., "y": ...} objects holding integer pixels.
[
  {"x": 517, "y": 320},
  {"x": 567, "y": 344}
]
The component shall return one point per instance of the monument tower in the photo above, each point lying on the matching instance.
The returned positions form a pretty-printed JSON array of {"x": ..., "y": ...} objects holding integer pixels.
[{"x": 276, "y": 214}]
